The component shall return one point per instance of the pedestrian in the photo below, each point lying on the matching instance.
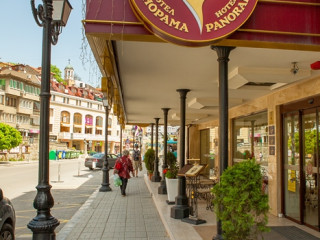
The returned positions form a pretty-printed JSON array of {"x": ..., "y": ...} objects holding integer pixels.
[
  {"x": 123, "y": 167},
  {"x": 136, "y": 160}
]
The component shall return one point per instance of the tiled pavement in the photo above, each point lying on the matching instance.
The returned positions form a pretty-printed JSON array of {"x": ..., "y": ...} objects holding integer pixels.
[{"x": 108, "y": 215}]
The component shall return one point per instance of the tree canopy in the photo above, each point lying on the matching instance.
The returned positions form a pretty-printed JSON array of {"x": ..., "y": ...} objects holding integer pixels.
[
  {"x": 9, "y": 137},
  {"x": 56, "y": 73}
]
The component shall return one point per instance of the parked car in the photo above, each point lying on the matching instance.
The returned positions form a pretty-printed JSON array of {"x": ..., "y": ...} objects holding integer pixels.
[
  {"x": 7, "y": 218},
  {"x": 96, "y": 160}
]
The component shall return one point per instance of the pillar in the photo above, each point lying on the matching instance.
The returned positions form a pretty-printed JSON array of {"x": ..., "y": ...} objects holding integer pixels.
[
  {"x": 223, "y": 59},
  {"x": 181, "y": 208},
  {"x": 156, "y": 175},
  {"x": 163, "y": 188}
]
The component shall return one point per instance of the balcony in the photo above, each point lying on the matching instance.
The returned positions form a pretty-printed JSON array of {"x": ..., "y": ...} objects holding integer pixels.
[
  {"x": 14, "y": 92},
  {"x": 24, "y": 110},
  {"x": 80, "y": 136}
]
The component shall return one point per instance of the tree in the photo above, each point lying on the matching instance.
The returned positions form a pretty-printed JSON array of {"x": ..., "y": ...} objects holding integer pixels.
[
  {"x": 9, "y": 137},
  {"x": 240, "y": 203},
  {"x": 56, "y": 73}
]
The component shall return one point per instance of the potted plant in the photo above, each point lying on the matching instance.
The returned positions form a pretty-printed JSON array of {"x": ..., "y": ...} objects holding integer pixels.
[
  {"x": 240, "y": 203},
  {"x": 170, "y": 174},
  {"x": 149, "y": 158}
]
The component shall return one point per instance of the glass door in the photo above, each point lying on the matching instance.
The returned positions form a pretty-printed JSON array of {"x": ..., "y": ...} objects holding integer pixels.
[
  {"x": 291, "y": 154},
  {"x": 310, "y": 125},
  {"x": 301, "y": 166}
]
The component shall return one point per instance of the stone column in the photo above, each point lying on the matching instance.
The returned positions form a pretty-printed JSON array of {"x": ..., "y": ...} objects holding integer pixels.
[
  {"x": 163, "y": 188},
  {"x": 181, "y": 208},
  {"x": 156, "y": 175},
  {"x": 223, "y": 59}
]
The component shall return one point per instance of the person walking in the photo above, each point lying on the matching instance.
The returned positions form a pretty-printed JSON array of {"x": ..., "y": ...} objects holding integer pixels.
[
  {"x": 123, "y": 167},
  {"x": 136, "y": 160}
]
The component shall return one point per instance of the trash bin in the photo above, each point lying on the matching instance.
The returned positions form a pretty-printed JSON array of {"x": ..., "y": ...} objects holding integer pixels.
[
  {"x": 59, "y": 154},
  {"x": 68, "y": 155},
  {"x": 52, "y": 155},
  {"x": 63, "y": 154}
]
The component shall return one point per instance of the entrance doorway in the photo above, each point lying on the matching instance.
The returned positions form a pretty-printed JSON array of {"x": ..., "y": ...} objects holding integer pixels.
[
  {"x": 205, "y": 150},
  {"x": 301, "y": 165}
]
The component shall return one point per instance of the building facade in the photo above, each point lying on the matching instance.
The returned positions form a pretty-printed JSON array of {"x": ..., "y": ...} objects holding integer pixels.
[{"x": 77, "y": 116}]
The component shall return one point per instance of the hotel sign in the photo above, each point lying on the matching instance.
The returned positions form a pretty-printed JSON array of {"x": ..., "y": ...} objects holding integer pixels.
[{"x": 193, "y": 22}]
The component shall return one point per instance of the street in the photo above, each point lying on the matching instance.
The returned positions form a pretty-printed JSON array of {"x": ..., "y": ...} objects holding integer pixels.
[{"x": 72, "y": 184}]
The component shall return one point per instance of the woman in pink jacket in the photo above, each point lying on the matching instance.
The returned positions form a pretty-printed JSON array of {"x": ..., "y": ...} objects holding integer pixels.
[{"x": 123, "y": 167}]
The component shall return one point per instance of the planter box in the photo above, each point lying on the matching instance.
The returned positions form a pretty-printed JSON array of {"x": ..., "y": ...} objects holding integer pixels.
[{"x": 172, "y": 189}]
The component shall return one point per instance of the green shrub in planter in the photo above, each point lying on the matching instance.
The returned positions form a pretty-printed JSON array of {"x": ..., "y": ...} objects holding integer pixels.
[
  {"x": 240, "y": 203},
  {"x": 171, "y": 160},
  {"x": 148, "y": 159}
]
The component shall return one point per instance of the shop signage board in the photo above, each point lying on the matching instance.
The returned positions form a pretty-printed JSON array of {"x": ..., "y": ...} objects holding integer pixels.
[{"x": 193, "y": 22}]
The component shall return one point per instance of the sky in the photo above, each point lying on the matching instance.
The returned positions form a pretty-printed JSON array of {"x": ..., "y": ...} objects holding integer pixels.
[{"x": 21, "y": 40}]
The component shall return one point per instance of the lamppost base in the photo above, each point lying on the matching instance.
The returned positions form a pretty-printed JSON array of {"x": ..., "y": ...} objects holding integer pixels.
[
  {"x": 180, "y": 211},
  {"x": 43, "y": 229},
  {"x": 156, "y": 178},
  {"x": 162, "y": 189},
  {"x": 105, "y": 188}
]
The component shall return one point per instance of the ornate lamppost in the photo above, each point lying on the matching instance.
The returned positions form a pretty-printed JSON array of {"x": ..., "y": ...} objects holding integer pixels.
[
  {"x": 105, "y": 185},
  {"x": 52, "y": 15}
]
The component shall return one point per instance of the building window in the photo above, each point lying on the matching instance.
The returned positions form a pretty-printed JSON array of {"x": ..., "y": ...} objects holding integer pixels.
[
  {"x": 66, "y": 100},
  {"x": 250, "y": 137},
  {"x": 88, "y": 124},
  {"x": 109, "y": 122},
  {"x": 77, "y": 123},
  {"x": 65, "y": 122},
  {"x": 11, "y": 102},
  {"x": 53, "y": 97}
]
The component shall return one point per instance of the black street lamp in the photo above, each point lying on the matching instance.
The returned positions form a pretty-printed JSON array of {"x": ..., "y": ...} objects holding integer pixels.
[
  {"x": 105, "y": 185},
  {"x": 52, "y": 16}
]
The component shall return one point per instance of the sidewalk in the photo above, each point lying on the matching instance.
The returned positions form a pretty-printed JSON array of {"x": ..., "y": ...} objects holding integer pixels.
[
  {"x": 108, "y": 215},
  {"x": 144, "y": 214}
]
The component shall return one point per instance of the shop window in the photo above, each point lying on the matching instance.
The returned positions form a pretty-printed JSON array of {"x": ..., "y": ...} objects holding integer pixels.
[{"x": 250, "y": 137}]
